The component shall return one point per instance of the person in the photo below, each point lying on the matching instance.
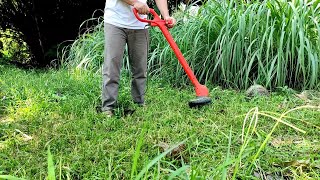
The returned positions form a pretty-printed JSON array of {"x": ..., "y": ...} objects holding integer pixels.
[{"x": 122, "y": 28}]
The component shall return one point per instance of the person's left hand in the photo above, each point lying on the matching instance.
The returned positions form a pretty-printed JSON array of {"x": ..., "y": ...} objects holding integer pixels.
[{"x": 170, "y": 21}]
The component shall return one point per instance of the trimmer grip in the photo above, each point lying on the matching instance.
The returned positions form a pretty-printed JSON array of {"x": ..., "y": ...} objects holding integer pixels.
[
  {"x": 154, "y": 22},
  {"x": 135, "y": 12}
]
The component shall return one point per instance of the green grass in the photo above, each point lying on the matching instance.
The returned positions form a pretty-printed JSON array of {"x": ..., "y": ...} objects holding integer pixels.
[{"x": 49, "y": 119}]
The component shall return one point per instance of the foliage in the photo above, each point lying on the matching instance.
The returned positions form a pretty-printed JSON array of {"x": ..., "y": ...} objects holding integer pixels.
[
  {"x": 42, "y": 25},
  {"x": 49, "y": 126},
  {"x": 13, "y": 48},
  {"x": 87, "y": 50},
  {"x": 274, "y": 43},
  {"x": 173, "y": 5},
  {"x": 232, "y": 44}
]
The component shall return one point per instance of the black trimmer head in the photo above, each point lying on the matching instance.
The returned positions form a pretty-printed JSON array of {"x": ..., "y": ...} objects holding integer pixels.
[{"x": 200, "y": 101}]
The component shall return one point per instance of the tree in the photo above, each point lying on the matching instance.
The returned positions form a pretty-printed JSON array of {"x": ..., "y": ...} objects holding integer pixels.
[{"x": 45, "y": 24}]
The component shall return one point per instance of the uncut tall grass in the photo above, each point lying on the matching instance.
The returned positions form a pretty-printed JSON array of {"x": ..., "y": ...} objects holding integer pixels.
[
  {"x": 236, "y": 44},
  {"x": 85, "y": 52}
]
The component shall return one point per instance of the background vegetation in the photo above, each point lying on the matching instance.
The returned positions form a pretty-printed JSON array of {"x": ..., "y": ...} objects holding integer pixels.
[
  {"x": 43, "y": 25},
  {"x": 230, "y": 43}
]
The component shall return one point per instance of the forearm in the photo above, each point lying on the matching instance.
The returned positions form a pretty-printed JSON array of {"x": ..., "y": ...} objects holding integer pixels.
[{"x": 163, "y": 7}]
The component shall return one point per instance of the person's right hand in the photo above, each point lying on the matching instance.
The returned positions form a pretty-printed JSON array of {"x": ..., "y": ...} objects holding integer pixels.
[{"x": 142, "y": 8}]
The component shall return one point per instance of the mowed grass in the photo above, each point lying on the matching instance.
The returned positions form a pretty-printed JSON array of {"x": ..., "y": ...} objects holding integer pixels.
[{"x": 56, "y": 110}]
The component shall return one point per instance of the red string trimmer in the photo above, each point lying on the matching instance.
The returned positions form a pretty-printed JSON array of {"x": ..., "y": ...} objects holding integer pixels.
[{"x": 202, "y": 91}]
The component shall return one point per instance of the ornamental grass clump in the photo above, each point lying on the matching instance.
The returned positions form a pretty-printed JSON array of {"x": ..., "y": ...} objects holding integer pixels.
[{"x": 235, "y": 44}]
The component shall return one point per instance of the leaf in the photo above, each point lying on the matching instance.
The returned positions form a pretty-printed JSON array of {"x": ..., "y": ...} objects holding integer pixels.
[
  {"x": 51, "y": 174},
  {"x": 137, "y": 152}
]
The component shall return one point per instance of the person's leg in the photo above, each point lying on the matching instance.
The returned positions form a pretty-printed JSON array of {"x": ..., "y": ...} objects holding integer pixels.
[
  {"x": 138, "y": 44},
  {"x": 115, "y": 41}
]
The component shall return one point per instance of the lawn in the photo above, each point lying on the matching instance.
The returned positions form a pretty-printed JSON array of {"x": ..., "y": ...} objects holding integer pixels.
[{"x": 51, "y": 117}]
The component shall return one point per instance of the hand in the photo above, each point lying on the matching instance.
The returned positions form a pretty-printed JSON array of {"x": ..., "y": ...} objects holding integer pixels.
[
  {"x": 170, "y": 21},
  {"x": 142, "y": 8}
]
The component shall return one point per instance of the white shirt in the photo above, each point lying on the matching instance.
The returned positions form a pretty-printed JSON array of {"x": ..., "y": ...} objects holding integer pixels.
[{"x": 120, "y": 14}]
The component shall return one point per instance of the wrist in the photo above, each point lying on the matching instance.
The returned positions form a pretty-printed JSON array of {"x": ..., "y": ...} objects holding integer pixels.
[{"x": 165, "y": 15}]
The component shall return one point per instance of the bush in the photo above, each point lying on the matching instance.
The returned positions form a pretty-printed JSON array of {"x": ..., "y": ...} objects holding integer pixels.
[{"x": 13, "y": 48}]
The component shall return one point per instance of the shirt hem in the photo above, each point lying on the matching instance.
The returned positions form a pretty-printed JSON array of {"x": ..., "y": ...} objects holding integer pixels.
[{"x": 127, "y": 27}]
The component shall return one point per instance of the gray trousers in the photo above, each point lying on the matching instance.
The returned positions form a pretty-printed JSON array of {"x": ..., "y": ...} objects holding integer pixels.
[{"x": 116, "y": 39}]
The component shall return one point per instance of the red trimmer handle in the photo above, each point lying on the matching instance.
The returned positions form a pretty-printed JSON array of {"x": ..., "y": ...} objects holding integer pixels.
[
  {"x": 201, "y": 90},
  {"x": 156, "y": 21}
]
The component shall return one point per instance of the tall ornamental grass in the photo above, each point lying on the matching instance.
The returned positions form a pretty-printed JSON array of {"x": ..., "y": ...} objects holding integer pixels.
[
  {"x": 236, "y": 44},
  {"x": 86, "y": 52},
  {"x": 275, "y": 43}
]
